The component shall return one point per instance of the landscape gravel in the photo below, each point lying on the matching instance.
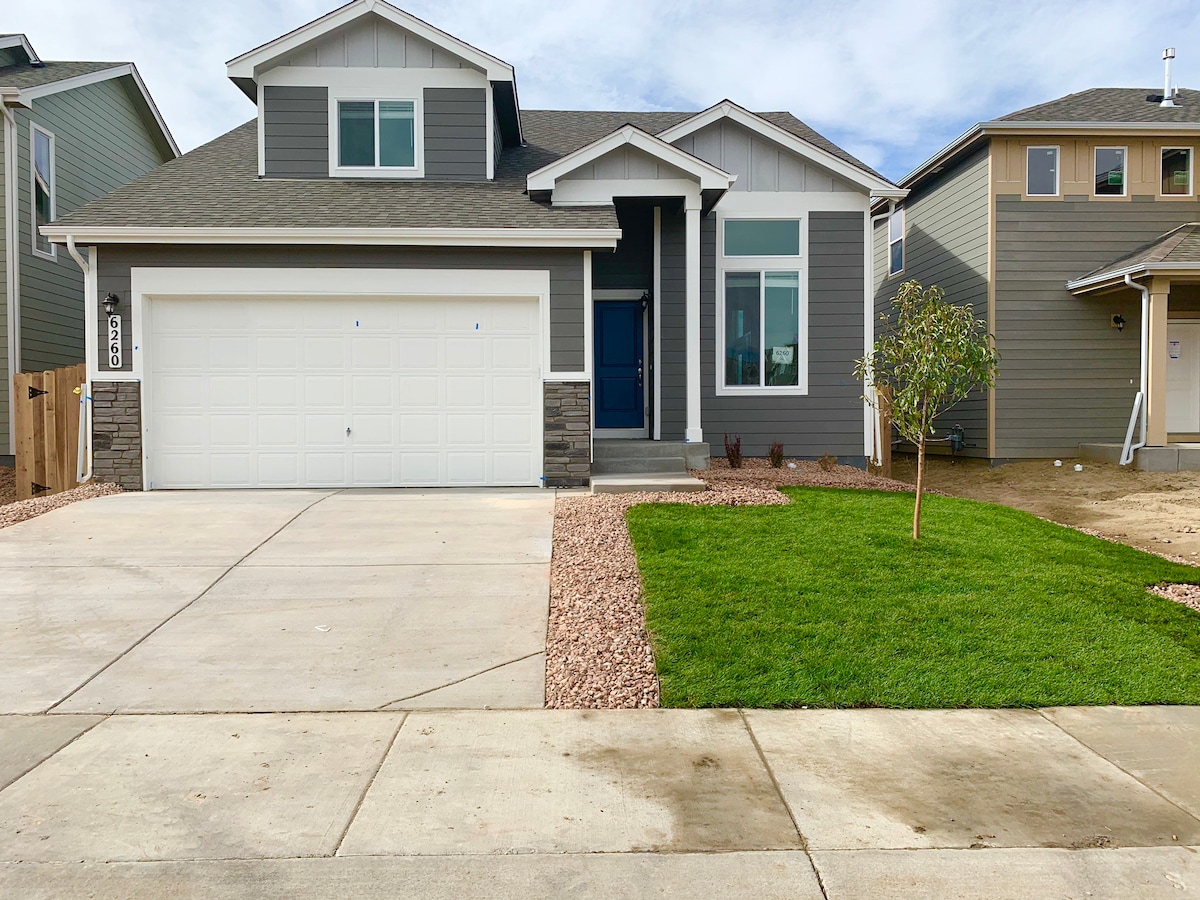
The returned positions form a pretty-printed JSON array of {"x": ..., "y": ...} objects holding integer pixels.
[
  {"x": 598, "y": 651},
  {"x": 1187, "y": 594},
  {"x": 13, "y": 510}
]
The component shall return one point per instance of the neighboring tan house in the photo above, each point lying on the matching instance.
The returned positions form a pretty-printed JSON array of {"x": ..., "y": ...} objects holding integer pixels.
[
  {"x": 73, "y": 131},
  {"x": 396, "y": 276},
  {"x": 1036, "y": 219}
]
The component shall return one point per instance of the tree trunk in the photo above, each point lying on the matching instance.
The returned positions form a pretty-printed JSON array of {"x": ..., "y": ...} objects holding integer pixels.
[{"x": 920, "y": 487}]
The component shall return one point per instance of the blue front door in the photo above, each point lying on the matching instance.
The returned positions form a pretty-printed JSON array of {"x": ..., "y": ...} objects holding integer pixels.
[{"x": 619, "y": 364}]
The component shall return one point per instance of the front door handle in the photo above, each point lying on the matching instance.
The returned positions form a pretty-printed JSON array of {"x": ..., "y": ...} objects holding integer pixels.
[
  {"x": 639, "y": 373},
  {"x": 347, "y": 431}
]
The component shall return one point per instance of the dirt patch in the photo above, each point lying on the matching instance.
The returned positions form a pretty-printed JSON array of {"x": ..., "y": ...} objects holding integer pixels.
[
  {"x": 1159, "y": 512},
  {"x": 598, "y": 653},
  {"x": 13, "y": 510}
]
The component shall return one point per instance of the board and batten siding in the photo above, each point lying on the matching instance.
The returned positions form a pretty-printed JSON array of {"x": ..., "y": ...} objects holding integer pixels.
[
  {"x": 295, "y": 132},
  {"x": 625, "y": 162},
  {"x": 373, "y": 42},
  {"x": 946, "y": 244},
  {"x": 829, "y": 419},
  {"x": 455, "y": 134},
  {"x": 1066, "y": 375},
  {"x": 565, "y": 268}
]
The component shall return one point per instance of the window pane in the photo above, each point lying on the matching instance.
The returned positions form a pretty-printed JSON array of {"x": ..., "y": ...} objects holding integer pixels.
[
  {"x": 767, "y": 237},
  {"x": 1041, "y": 178},
  {"x": 782, "y": 329},
  {"x": 896, "y": 260},
  {"x": 397, "y": 145},
  {"x": 356, "y": 134},
  {"x": 741, "y": 328},
  {"x": 1176, "y": 171},
  {"x": 896, "y": 225},
  {"x": 42, "y": 188},
  {"x": 1110, "y": 171}
]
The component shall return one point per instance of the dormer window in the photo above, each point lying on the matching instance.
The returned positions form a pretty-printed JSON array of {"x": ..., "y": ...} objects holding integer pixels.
[{"x": 377, "y": 138}]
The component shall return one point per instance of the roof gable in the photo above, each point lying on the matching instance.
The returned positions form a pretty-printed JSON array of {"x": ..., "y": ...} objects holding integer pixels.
[{"x": 371, "y": 41}]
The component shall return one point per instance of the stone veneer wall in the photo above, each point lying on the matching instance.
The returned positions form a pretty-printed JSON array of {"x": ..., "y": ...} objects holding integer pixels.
[
  {"x": 568, "y": 437},
  {"x": 117, "y": 433}
]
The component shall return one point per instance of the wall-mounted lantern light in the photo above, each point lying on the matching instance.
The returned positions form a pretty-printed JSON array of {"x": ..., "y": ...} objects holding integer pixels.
[
  {"x": 1118, "y": 322},
  {"x": 111, "y": 302}
]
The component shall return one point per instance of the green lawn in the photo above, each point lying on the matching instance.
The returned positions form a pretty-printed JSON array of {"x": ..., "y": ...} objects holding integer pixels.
[{"x": 828, "y": 602}]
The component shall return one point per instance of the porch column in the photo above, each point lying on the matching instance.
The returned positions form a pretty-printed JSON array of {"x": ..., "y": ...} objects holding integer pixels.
[
  {"x": 1156, "y": 400},
  {"x": 694, "y": 433}
]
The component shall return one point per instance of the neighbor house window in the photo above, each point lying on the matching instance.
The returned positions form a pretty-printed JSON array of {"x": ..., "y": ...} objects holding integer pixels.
[
  {"x": 378, "y": 134},
  {"x": 42, "y": 177},
  {"x": 1110, "y": 171},
  {"x": 896, "y": 242},
  {"x": 1041, "y": 171},
  {"x": 762, "y": 317},
  {"x": 1177, "y": 171}
]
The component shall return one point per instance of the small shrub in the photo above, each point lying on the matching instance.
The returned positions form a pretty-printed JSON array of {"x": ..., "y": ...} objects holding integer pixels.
[
  {"x": 775, "y": 454},
  {"x": 827, "y": 462},
  {"x": 733, "y": 451}
]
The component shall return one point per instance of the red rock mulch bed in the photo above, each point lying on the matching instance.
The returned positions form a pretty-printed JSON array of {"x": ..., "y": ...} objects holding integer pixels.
[
  {"x": 1187, "y": 594},
  {"x": 13, "y": 510},
  {"x": 598, "y": 653}
]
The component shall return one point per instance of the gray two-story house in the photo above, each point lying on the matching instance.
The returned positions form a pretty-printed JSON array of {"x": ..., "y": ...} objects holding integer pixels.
[
  {"x": 72, "y": 132},
  {"x": 1066, "y": 226},
  {"x": 395, "y": 275}
]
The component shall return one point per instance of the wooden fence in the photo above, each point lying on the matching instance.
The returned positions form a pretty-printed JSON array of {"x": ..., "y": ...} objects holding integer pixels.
[{"x": 47, "y": 430}]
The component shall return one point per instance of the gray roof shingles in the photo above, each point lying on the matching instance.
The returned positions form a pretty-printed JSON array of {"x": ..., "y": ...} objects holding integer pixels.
[
  {"x": 1112, "y": 105},
  {"x": 1180, "y": 245},
  {"x": 27, "y": 76},
  {"x": 217, "y": 185}
]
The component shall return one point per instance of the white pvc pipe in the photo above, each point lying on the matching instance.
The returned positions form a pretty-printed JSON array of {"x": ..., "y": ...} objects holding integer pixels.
[
  {"x": 84, "y": 471},
  {"x": 1139, "y": 402}
]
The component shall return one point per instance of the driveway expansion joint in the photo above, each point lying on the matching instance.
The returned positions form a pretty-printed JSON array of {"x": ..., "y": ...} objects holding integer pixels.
[
  {"x": 386, "y": 707},
  {"x": 387, "y": 751}
]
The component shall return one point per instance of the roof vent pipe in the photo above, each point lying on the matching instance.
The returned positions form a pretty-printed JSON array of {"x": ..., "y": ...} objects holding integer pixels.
[{"x": 1168, "y": 96}]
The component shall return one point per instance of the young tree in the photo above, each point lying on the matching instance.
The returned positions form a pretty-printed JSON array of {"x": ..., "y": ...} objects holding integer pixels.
[{"x": 929, "y": 355}]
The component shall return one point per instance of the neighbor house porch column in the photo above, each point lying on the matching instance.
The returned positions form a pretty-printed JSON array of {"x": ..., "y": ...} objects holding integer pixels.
[
  {"x": 694, "y": 433},
  {"x": 1156, "y": 400}
]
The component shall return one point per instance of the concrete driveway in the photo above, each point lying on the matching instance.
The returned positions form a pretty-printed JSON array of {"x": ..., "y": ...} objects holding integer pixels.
[{"x": 255, "y": 601}]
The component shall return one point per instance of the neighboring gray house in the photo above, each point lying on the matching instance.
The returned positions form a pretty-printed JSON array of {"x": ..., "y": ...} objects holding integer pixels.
[
  {"x": 1036, "y": 219},
  {"x": 396, "y": 276},
  {"x": 73, "y": 131}
]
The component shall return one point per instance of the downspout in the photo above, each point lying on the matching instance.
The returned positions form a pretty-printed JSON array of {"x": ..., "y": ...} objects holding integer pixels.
[
  {"x": 12, "y": 252},
  {"x": 1139, "y": 402},
  {"x": 89, "y": 336},
  {"x": 869, "y": 388}
]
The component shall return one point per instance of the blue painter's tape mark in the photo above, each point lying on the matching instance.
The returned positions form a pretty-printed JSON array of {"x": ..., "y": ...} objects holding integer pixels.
[
  {"x": 476, "y": 326},
  {"x": 356, "y": 323}
]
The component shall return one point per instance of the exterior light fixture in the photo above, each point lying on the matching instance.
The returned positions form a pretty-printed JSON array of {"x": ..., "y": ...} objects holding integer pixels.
[
  {"x": 645, "y": 299},
  {"x": 1118, "y": 322},
  {"x": 111, "y": 301}
]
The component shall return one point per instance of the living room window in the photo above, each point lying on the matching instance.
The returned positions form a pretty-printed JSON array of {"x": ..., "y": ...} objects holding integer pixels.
[
  {"x": 762, "y": 323},
  {"x": 377, "y": 135},
  {"x": 1110, "y": 171},
  {"x": 1041, "y": 172},
  {"x": 41, "y": 174},
  {"x": 1177, "y": 171}
]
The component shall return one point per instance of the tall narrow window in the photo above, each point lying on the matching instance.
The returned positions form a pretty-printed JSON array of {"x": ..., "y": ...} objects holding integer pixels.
[
  {"x": 1110, "y": 171},
  {"x": 1041, "y": 171},
  {"x": 896, "y": 242},
  {"x": 42, "y": 176},
  {"x": 1177, "y": 171},
  {"x": 377, "y": 134}
]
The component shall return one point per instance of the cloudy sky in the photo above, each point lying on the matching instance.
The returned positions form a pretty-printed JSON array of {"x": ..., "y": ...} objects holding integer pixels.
[{"x": 890, "y": 82}]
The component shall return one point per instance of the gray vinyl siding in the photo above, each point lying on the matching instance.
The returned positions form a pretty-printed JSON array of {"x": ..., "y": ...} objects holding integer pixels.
[
  {"x": 829, "y": 419},
  {"x": 946, "y": 244},
  {"x": 673, "y": 301},
  {"x": 296, "y": 132},
  {"x": 100, "y": 143},
  {"x": 1066, "y": 375},
  {"x": 565, "y": 267},
  {"x": 456, "y": 134}
]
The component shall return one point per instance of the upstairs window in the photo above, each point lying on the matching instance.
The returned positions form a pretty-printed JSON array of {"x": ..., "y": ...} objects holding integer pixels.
[
  {"x": 377, "y": 134},
  {"x": 1177, "y": 171},
  {"x": 762, "y": 237},
  {"x": 42, "y": 188},
  {"x": 896, "y": 242},
  {"x": 1041, "y": 172},
  {"x": 1110, "y": 171}
]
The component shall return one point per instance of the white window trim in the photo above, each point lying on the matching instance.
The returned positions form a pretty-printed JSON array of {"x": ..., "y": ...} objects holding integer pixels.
[
  {"x": 1057, "y": 169},
  {"x": 1124, "y": 173},
  {"x": 1191, "y": 152},
  {"x": 337, "y": 170},
  {"x": 34, "y": 129},
  {"x": 902, "y": 241},
  {"x": 762, "y": 265}
]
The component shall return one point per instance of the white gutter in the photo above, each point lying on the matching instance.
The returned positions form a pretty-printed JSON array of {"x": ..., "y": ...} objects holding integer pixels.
[
  {"x": 88, "y": 266},
  {"x": 1139, "y": 402},
  {"x": 12, "y": 252},
  {"x": 1113, "y": 277},
  {"x": 869, "y": 387}
]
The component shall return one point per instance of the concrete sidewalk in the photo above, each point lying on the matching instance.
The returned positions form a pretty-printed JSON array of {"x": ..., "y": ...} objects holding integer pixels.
[{"x": 1101, "y": 802}]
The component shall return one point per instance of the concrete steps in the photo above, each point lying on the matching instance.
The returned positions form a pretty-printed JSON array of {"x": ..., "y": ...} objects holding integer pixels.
[
  {"x": 628, "y": 484},
  {"x": 633, "y": 457}
]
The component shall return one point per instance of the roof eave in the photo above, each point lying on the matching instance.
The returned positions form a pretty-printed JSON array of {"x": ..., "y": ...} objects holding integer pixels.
[{"x": 1115, "y": 277}]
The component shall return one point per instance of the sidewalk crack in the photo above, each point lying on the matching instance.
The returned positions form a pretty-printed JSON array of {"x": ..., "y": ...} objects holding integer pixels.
[{"x": 510, "y": 662}]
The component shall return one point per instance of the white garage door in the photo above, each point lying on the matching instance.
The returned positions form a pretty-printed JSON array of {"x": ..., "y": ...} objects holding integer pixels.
[{"x": 285, "y": 392}]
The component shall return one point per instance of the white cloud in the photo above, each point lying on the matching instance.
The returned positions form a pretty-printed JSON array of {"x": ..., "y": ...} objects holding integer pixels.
[{"x": 891, "y": 82}]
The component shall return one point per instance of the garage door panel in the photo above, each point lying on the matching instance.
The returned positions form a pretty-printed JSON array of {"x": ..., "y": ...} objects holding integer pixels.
[{"x": 260, "y": 392}]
